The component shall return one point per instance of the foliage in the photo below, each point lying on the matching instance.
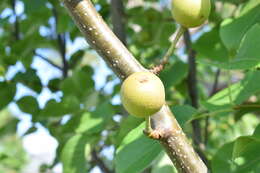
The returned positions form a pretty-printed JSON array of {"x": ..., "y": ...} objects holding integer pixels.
[{"x": 82, "y": 111}]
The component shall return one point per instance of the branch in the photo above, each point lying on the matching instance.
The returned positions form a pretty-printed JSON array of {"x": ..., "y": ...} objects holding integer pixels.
[
  {"x": 16, "y": 24},
  {"x": 61, "y": 44},
  {"x": 192, "y": 85},
  {"x": 118, "y": 20},
  {"x": 122, "y": 62},
  {"x": 193, "y": 93},
  {"x": 47, "y": 60},
  {"x": 100, "y": 162},
  {"x": 212, "y": 92}
]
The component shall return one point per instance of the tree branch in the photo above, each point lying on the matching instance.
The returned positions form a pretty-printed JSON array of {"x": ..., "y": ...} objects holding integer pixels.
[
  {"x": 192, "y": 85},
  {"x": 61, "y": 44},
  {"x": 118, "y": 19},
  {"x": 212, "y": 92},
  {"x": 100, "y": 162},
  {"x": 47, "y": 60},
  {"x": 122, "y": 62},
  {"x": 16, "y": 23},
  {"x": 193, "y": 93}
]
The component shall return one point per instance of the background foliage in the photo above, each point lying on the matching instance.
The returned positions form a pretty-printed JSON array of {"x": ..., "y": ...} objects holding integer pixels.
[{"x": 49, "y": 73}]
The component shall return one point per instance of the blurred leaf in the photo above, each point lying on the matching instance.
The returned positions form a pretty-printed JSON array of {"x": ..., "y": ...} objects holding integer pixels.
[
  {"x": 73, "y": 155},
  {"x": 172, "y": 75},
  {"x": 127, "y": 124},
  {"x": 136, "y": 152},
  {"x": 7, "y": 93},
  {"x": 79, "y": 84},
  {"x": 239, "y": 92},
  {"x": 29, "y": 79},
  {"x": 240, "y": 156},
  {"x": 183, "y": 113},
  {"x": 28, "y": 104},
  {"x": 209, "y": 46},
  {"x": 231, "y": 36},
  {"x": 246, "y": 108},
  {"x": 163, "y": 165},
  {"x": 94, "y": 122},
  {"x": 69, "y": 104}
]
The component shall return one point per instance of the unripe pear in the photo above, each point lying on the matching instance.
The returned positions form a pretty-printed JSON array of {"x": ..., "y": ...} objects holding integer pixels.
[
  {"x": 191, "y": 13},
  {"x": 142, "y": 94}
]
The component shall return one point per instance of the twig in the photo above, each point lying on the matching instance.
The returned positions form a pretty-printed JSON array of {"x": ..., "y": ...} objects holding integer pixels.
[
  {"x": 16, "y": 24},
  {"x": 47, "y": 60},
  {"x": 170, "y": 51},
  {"x": 213, "y": 91},
  {"x": 61, "y": 39},
  {"x": 122, "y": 62},
  {"x": 99, "y": 162},
  {"x": 118, "y": 19}
]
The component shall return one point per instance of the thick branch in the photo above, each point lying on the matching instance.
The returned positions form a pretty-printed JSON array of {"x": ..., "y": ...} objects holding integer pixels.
[
  {"x": 100, "y": 37},
  {"x": 118, "y": 22}
]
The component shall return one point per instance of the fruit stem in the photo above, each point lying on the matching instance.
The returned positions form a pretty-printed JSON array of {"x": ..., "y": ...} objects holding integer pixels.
[
  {"x": 179, "y": 32},
  {"x": 148, "y": 127}
]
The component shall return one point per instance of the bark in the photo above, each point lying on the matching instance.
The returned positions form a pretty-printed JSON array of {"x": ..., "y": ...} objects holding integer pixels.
[{"x": 122, "y": 62}]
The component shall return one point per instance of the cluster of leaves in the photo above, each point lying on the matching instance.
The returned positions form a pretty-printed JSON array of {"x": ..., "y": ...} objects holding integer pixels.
[{"x": 81, "y": 115}]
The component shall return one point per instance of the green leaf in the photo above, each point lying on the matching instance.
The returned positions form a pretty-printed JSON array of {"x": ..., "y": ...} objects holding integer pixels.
[
  {"x": 173, "y": 75},
  {"x": 126, "y": 126},
  {"x": 250, "y": 45},
  {"x": 7, "y": 93},
  {"x": 239, "y": 156},
  {"x": 28, "y": 104},
  {"x": 136, "y": 152},
  {"x": 80, "y": 84},
  {"x": 221, "y": 162},
  {"x": 231, "y": 35},
  {"x": 209, "y": 46},
  {"x": 73, "y": 155},
  {"x": 29, "y": 79},
  {"x": 163, "y": 165},
  {"x": 94, "y": 122},
  {"x": 183, "y": 113},
  {"x": 239, "y": 92},
  {"x": 68, "y": 105},
  {"x": 235, "y": 64}
]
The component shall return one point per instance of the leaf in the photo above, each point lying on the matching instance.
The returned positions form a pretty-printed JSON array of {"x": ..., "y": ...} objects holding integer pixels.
[
  {"x": 79, "y": 84},
  {"x": 94, "y": 122},
  {"x": 239, "y": 156},
  {"x": 68, "y": 105},
  {"x": 163, "y": 165},
  {"x": 231, "y": 36},
  {"x": 245, "y": 109},
  {"x": 7, "y": 93},
  {"x": 239, "y": 92},
  {"x": 73, "y": 155},
  {"x": 183, "y": 113},
  {"x": 28, "y": 104},
  {"x": 235, "y": 64},
  {"x": 29, "y": 79},
  {"x": 250, "y": 45},
  {"x": 173, "y": 75},
  {"x": 209, "y": 46},
  {"x": 126, "y": 125},
  {"x": 221, "y": 162},
  {"x": 136, "y": 152}
]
